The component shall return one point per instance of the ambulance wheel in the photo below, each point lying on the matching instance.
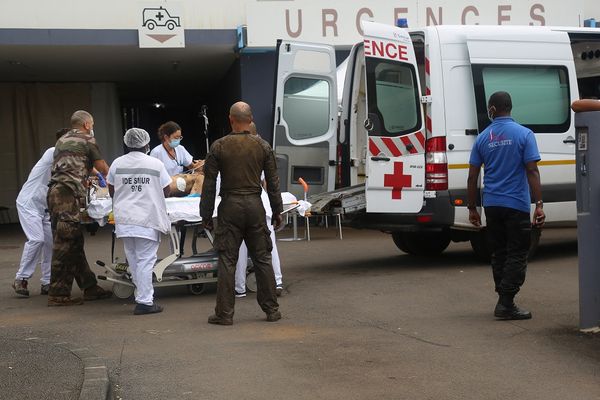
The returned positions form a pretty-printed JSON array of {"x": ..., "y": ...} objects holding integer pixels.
[
  {"x": 398, "y": 239},
  {"x": 196, "y": 288},
  {"x": 122, "y": 291},
  {"x": 170, "y": 26},
  {"x": 251, "y": 282},
  {"x": 151, "y": 25},
  {"x": 423, "y": 243}
]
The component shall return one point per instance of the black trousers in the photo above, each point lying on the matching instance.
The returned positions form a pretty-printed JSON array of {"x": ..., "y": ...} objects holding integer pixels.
[{"x": 509, "y": 235}]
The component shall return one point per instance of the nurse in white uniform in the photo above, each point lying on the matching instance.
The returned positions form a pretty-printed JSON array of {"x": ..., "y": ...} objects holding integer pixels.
[
  {"x": 138, "y": 185},
  {"x": 173, "y": 155},
  {"x": 35, "y": 221}
]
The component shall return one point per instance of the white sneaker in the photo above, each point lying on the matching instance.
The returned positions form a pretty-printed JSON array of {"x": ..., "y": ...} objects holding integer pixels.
[{"x": 238, "y": 294}]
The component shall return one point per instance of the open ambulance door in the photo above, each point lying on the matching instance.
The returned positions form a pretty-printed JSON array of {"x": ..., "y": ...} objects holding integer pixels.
[
  {"x": 305, "y": 120},
  {"x": 538, "y": 71},
  {"x": 394, "y": 124}
]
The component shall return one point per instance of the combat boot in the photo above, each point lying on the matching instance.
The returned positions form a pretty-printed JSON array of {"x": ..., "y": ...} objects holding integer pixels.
[
  {"x": 273, "y": 316},
  {"x": 96, "y": 293},
  {"x": 20, "y": 286},
  {"x": 57, "y": 301},
  {"x": 215, "y": 320}
]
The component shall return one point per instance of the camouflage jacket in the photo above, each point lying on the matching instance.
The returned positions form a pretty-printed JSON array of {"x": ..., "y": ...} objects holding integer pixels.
[{"x": 74, "y": 157}]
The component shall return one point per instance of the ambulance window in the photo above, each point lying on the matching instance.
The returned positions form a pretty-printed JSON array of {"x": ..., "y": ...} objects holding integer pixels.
[
  {"x": 306, "y": 107},
  {"x": 540, "y": 94},
  {"x": 393, "y": 97}
]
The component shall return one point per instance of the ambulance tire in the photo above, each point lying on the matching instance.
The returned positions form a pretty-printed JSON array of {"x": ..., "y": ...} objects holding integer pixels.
[
  {"x": 421, "y": 243},
  {"x": 480, "y": 245},
  {"x": 398, "y": 239}
]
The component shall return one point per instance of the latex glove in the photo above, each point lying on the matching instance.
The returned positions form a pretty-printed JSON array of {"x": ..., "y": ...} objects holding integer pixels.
[
  {"x": 101, "y": 180},
  {"x": 193, "y": 195}
]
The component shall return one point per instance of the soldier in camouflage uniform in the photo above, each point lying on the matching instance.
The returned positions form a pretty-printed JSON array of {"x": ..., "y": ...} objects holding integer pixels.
[
  {"x": 75, "y": 155},
  {"x": 240, "y": 158}
]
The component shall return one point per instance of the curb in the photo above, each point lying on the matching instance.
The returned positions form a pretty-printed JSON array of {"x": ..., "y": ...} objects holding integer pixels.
[{"x": 95, "y": 385}]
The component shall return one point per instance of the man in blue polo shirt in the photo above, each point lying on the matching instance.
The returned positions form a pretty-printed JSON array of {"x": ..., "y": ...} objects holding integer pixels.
[{"x": 508, "y": 151}]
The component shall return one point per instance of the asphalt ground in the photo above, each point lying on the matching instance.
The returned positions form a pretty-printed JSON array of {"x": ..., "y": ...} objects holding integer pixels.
[{"x": 361, "y": 320}]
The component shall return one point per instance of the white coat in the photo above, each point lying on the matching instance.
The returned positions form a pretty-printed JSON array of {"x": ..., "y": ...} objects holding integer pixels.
[{"x": 138, "y": 200}]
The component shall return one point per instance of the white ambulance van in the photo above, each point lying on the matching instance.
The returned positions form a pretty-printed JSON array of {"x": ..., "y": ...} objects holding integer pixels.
[{"x": 397, "y": 144}]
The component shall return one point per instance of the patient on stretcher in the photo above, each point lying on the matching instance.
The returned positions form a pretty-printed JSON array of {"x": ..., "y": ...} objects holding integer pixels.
[{"x": 186, "y": 184}]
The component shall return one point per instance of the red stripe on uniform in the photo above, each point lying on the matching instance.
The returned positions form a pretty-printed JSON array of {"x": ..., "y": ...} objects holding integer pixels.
[
  {"x": 391, "y": 146},
  {"x": 421, "y": 138},
  {"x": 407, "y": 142},
  {"x": 373, "y": 148}
]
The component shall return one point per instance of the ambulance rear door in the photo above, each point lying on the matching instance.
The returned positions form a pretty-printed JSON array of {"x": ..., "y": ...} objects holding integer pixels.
[
  {"x": 305, "y": 120},
  {"x": 394, "y": 124}
]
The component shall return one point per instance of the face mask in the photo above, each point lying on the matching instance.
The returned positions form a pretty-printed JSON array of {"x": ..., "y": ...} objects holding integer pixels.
[
  {"x": 91, "y": 132},
  {"x": 174, "y": 143}
]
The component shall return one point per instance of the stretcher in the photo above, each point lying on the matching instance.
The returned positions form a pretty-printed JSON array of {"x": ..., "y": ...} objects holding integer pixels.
[{"x": 193, "y": 271}]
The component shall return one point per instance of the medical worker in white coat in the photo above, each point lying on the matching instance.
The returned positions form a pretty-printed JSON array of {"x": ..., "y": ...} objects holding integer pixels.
[
  {"x": 35, "y": 222},
  {"x": 138, "y": 185}
]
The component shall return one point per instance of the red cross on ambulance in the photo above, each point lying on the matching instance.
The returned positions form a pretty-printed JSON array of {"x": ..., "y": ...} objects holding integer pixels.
[{"x": 397, "y": 181}]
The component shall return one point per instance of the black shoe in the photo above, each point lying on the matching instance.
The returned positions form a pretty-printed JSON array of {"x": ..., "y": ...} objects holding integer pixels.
[
  {"x": 274, "y": 316},
  {"x": 45, "y": 289},
  {"x": 510, "y": 313},
  {"x": 141, "y": 309},
  {"x": 213, "y": 319}
]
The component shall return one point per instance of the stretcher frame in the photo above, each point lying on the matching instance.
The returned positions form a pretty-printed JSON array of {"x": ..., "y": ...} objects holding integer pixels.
[{"x": 123, "y": 286}]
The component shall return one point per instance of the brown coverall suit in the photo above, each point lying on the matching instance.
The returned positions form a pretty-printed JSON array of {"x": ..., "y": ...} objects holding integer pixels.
[{"x": 241, "y": 157}]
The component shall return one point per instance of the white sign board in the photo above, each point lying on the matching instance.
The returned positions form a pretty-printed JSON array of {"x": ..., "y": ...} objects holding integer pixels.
[
  {"x": 161, "y": 24},
  {"x": 337, "y": 22}
]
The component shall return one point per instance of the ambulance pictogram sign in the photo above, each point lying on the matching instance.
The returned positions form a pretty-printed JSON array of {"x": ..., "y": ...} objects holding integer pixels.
[{"x": 161, "y": 25}]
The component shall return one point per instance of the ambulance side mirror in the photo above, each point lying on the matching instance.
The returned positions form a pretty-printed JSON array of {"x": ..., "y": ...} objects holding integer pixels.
[{"x": 373, "y": 123}]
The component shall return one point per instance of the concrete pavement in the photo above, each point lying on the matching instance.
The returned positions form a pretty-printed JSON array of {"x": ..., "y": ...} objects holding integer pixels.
[{"x": 361, "y": 321}]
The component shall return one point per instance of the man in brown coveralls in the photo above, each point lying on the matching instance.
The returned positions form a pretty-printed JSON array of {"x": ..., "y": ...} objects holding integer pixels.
[
  {"x": 75, "y": 154},
  {"x": 240, "y": 158}
]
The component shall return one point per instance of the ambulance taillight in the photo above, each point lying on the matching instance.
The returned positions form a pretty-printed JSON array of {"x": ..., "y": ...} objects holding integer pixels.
[{"x": 436, "y": 164}]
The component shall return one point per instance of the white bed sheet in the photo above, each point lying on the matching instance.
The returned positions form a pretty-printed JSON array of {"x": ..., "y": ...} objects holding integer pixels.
[{"x": 178, "y": 208}]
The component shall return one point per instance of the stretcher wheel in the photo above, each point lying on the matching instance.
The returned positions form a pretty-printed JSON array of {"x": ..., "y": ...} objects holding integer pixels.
[
  {"x": 196, "y": 288},
  {"x": 122, "y": 291},
  {"x": 251, "y": 282}
]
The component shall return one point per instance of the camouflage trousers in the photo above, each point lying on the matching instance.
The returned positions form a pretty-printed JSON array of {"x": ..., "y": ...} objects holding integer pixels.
[
  {"x": 68, "y": 257},
  {"x": 243, "y": 218}
]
